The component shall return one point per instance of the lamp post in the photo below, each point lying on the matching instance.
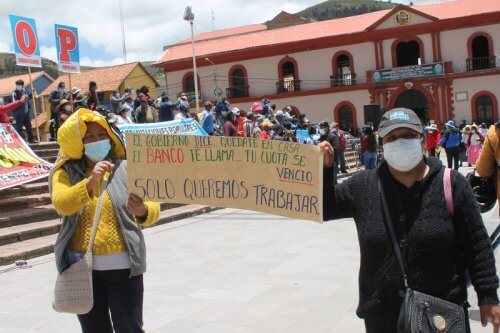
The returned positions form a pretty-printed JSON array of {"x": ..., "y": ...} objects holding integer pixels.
[{"x": 189, "y": 16}]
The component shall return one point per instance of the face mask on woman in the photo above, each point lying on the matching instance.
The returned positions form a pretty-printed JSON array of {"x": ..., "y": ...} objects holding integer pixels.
[
  {"x": 322, "y": 131},
  {"x": 97, "y": 150},
  {"x": 67, "y": 108},
  {"x": 403, "y": 154}
]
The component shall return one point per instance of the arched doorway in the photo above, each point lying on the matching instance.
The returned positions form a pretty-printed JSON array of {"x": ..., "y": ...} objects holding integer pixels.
[
  {"x": 239, "y": 86},
  {"x": 416, "y": 101},
  {"x": 408, "y": 53},
  {"x": 346, "y": 118},
  {"x": 484, "y": 110}
]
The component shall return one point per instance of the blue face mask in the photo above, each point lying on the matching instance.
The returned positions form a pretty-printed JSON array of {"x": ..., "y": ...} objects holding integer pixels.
[{"x": 98, "y": 150}]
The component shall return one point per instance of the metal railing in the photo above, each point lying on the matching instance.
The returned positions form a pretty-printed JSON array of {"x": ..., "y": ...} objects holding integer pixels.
[
  {"x": 287, "y": 86},
  {"x": 343, "y": 80},
  {"x": 237, "y": 92},
  {"x": 474, "y": 64}
]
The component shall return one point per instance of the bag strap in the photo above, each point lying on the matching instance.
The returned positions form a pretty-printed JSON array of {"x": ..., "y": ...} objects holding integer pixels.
[
  {"x": 97, "y": 213},
  {"x": 448, "y": 194},
  {"x": 392, "y": 234}
]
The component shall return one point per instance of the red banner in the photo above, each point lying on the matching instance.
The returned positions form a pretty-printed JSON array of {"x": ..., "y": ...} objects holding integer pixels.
[{"x": 18, "y": 163}]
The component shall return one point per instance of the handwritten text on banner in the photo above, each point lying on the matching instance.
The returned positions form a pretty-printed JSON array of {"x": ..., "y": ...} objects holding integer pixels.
[{"x": 281, "y": 178}]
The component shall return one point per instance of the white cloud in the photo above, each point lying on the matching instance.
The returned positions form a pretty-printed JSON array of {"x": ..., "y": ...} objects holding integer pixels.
[
  {"x": 49, "y": 52},
  {"x": 149, "y": 24}
]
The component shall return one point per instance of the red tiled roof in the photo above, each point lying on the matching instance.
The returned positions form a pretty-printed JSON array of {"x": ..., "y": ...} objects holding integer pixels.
[
  {"x": 107, "y": 78},
  {"x": 8, "y": 84},
  {"x": 225, "y": 33},
  {"x": 335, "y": 27}
]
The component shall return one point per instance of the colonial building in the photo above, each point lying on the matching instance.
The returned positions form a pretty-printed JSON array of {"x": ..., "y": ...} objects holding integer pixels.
[{"x": 438, "y": 59}]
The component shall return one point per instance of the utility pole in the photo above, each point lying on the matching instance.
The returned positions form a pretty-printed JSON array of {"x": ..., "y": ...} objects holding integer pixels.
[
  {"x": 123, "y": 32},
  {"x": 213, "y": 20}
]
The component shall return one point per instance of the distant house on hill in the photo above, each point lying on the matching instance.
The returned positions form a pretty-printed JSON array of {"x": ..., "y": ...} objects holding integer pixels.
[
  {"x": 285, "y": 19},
  {"x": 108, "y": 80}
]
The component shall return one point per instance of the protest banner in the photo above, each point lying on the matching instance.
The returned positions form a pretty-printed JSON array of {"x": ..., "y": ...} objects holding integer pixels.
[
  {"x": 27, "y": 51},
  {"x": 25, "y": 38},
  {"x": 276, "y": 177},
  {"x": 18, "y": 163},
  {"x": 175, "y": 127},
  {"x": 68, "y": 53}
]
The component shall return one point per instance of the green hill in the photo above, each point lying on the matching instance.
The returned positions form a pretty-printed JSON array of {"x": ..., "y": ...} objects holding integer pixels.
[{"x": 331, "y": 9}]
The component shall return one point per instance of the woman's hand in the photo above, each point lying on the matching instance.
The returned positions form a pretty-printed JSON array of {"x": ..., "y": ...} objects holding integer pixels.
[
  {"x": 490, "y": 312},
  {"x": 98, "y": 173},
  {"x": 136, "y": 206},
  {"x": 327, "y": 150}
]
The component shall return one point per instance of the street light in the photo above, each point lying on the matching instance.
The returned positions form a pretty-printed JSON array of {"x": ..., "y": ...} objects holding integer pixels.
[{"x": 189, "y": 16}]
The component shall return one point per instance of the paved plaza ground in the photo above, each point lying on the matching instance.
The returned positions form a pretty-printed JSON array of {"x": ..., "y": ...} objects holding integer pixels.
[{"x": 226, "y": 271}]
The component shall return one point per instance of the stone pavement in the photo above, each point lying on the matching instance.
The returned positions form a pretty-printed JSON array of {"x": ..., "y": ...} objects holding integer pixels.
[{"x": 226, "y": 271}]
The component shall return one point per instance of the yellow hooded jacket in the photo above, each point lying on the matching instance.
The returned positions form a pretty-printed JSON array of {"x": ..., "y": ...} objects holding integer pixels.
[{"x": 69, "y": 198}]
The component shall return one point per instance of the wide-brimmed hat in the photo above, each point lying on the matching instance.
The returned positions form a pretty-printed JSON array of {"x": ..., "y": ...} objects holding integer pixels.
[
  {"x": 474, "y": 126},
  {"x": 399, "y": 118},
  {"x": 75, "y": 90},
  {"x": 62, "y": 103},
  {"x": 432, "y": 127},
  {"x": 450, "y": 123},
  {"x": 80, "y": 98},
  {"x": 208, "y": 103}
]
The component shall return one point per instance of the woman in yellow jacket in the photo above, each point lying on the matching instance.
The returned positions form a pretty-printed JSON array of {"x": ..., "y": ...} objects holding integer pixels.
[
  {"x": 90, "y": 149},
  {"x": 488, "y": 163}
]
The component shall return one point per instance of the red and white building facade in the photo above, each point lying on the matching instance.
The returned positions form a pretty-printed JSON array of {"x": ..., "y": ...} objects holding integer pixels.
[{"x": 438, "y": 59}]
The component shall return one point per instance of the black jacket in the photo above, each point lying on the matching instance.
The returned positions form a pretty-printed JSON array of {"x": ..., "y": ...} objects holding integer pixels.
[
  {"x": 333, "y": 139},
  {"x": 438, "y": 247}
]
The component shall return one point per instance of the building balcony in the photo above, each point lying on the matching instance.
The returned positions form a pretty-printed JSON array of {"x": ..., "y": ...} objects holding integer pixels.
[
  {"x": 475, "y": 64},
  {"x": 343, "y": 80},
  {"x": 283, "y": 86},
  {"x": 237, "y": 92}
]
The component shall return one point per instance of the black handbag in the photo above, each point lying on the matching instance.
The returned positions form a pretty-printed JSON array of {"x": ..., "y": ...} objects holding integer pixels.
[{"x": 421, "y": 313}]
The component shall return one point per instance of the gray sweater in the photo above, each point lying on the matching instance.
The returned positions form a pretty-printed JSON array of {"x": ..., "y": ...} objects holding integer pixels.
[{"x": 118, "y": 193}]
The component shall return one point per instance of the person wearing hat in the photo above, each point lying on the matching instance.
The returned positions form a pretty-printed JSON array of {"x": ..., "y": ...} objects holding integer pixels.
[
  {"x": 22, "y": 113},
  {"x": 117, "y": 100},
  {"x": 92, "y": 98},
  {"x": 432, "y": 140},
  {"x": 183, "y": 112},
  {"x": 439, "y": 243},
  {"x": 55, "y": 97},
  {"x": 248, "y": 125},
  {"x": 80, "y": 101},
  {"x": 451, "y": 142},
  {"x": 474, "y": 143},
  {"x": 123, "y": 117},
  {"x": 207, "y": 118},
  {"x": 265, "y": 130},
  {"x": 145, "y": 113},
  {"x": 64, "y": 110},
  {"x": 230, "y": 124},
  {"x": 183, "y": 100},
  {"x": 463, "y": 144}
]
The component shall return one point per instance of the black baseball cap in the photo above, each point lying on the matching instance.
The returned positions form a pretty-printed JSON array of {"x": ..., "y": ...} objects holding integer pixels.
[{"x": 399, "y": 118}]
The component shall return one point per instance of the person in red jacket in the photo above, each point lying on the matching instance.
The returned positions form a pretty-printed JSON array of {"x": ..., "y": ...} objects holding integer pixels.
[
  {"x": 266, "y": 126},
  {"x": 4, "y": 109},
  {"x": 433, "y": 138}
]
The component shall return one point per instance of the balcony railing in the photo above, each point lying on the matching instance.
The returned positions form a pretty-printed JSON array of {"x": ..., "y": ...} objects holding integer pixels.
[
  {"x": 287, "y": 86},
  {"x": 343, "y": 80},
  {"x": 237, "y": 92},
  {"x": 474, "y": 64}
]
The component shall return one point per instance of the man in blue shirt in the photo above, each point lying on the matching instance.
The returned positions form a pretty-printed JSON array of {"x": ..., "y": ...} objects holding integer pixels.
[
  {"x": 207, "y": 118},
  {"x": 22, "y": 112},
  {"x": 167, "y": 109}
]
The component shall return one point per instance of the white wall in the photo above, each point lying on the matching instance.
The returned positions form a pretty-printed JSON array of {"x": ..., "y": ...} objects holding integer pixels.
[
  {"x": 390, "y": 23},
  {"x": 463, "y": 109},
  {"x": 454, "y": 44}
]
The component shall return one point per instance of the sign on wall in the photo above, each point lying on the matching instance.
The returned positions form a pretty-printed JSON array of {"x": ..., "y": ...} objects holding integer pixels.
[
  {"x": 26, "y": 45},
  {"x": 401, "y": 73},
  {"x": 276, "y": 177},
  {"x": 68, "y": 52}
]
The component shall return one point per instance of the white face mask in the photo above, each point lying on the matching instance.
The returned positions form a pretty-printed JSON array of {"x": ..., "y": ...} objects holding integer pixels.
[
  {"x": 19, "y": 87},
  {"x": 67, "y": 107},
  {"x": 403, "y": 154},
  {"x": 322, "y": 131}
]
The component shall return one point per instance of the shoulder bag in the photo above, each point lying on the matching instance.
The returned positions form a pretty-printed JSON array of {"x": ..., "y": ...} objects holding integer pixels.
[
  {"x": 73, "y": 292},
  {"x": 421, "y": 313}
]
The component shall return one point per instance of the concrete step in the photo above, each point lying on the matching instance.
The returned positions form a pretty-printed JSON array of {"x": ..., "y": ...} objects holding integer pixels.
[
  {"x": 31, "y": 248},
  {"x": 25, "y": 201},
  {"x": 27, "y": 215},
  {"x": 27, "y": 249},
  {"x": 45, "y": 153},
  {"x": 43, "y": 145},
  {"x": 26, "y": 189},
  {"x": 27, "y": 231}
]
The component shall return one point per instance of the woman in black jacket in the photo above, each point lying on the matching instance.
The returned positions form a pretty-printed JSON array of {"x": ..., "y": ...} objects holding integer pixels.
[{"x": 437, "y": 246}]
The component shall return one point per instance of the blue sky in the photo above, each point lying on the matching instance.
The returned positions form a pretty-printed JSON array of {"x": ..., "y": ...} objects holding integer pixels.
[{"x": 148, "y": 26}]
